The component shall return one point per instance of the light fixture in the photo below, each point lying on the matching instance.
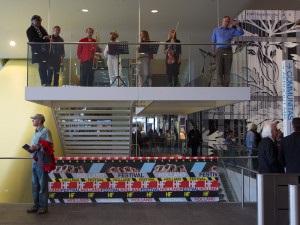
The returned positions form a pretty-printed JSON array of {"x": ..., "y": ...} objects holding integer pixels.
[
  {"x": 154, "y": 11},
  {"x": 12, "y": 43},
  {"x": 84, "y": 10}
]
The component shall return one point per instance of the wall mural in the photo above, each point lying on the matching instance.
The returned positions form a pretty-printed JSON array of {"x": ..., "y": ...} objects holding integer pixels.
[{"x": 272, "y": 37}]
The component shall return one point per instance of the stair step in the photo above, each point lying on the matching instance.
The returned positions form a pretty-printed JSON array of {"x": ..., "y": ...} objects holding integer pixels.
[
  {"x": 97, "y": 133},
  {"x": 95, "y": 138},
  {"x": 95, "y": 128},
  {"x": 97, "y": 148},
  {"x": 97, "y": 155},
  {"x": 95, "y": 123},
  {"x": 59, "y": 112},
  {"x": 98, "y": 152},
  {"x": 94, "y": 117},
  {"x": 94, "y": 143}
]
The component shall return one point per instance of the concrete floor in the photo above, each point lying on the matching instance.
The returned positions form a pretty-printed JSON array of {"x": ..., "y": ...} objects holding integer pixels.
[{"x": 136, "y": 213}]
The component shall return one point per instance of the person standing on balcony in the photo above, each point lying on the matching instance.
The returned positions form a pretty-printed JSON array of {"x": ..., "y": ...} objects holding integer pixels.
[
  {"x": 41, "y": 150},
  {"x": 268, "y": 151},
  {"x": 195, "y": 140},
  {"x": 144, "y": 61},
  {"x": 223, "y": 53},
  {"x": 113, "y": 62},
  {"x": 173, "y": 58},
  {"x": 289, "y": 154},
  {"x": 85, "y": 53},
  {"x": 56, "y": 57},
  {"x": 40, "y": 52}
]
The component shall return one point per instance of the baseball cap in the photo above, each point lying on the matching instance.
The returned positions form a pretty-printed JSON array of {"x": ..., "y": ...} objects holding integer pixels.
[
  {"x": 36, "y": 17},
  {"x": 39, "y": 117}
]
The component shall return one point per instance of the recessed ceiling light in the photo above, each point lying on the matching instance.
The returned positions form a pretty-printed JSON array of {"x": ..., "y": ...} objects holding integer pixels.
[
  {"x": 84, "y": 10},
  {"x": 12, "y": 43},
  {"x": 154, "y": 11}
]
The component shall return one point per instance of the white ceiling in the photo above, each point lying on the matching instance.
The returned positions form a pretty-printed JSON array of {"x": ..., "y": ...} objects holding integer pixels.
[{"x": 197, "y": 18}]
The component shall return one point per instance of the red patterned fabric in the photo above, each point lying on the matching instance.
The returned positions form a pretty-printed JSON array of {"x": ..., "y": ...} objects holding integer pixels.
[{"x": 47, "y": 146}]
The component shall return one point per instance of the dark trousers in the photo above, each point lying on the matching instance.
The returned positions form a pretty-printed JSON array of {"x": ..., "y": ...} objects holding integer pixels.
[
  {"x": 173, "y": 71},
  {"x": 87, "y": 73},
  {"x": 223, "y": 61},
  {"x": 43, "y": 65},
  {"x": 194, "y": 150},
  {"x": 53, "y": 67}
]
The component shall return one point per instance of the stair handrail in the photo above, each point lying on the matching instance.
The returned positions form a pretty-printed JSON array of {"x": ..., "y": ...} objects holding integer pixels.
[{"x": 226, "y": 174}]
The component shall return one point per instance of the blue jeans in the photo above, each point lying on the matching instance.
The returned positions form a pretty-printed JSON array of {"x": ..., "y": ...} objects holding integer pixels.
[{"x": 39, "y": 187}]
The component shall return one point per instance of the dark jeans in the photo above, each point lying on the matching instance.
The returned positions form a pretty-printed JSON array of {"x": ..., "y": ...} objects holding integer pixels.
[
  {"x": 87, "y": 73},
  {"x": 39, "y": 187},
  {"x": 223, "y": 61},
  {"x": 43, "y": 65},
  {"x": 53, "y": 67}
]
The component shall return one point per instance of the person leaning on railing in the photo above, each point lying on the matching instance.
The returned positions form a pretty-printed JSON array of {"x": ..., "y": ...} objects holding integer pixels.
[
  {"x": 40, "y": 52},
  {"x": 223, "y": 53}
]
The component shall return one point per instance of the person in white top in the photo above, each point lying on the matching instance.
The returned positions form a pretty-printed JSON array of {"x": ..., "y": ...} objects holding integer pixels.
[{"x": 112, "y": 61}]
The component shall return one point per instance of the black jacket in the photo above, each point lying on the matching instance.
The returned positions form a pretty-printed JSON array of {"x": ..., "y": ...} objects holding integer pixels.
[
  {"x": 268, "y": 157},
  {"x": 289, "y": 154},
  {"x": 195, "y": 138},
  {"x": 39, "y": 52}
]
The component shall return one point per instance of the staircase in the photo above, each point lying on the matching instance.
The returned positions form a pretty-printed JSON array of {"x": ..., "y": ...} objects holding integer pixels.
[{"x": 94, "y": 131}]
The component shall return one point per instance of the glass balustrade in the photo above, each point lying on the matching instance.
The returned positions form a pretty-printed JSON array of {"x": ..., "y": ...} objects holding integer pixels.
[{"x": 140, "y": 65}]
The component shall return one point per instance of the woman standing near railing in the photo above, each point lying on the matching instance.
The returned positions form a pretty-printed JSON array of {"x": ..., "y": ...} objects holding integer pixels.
[
  {"x": 173, "y": 58},
  {"x": 144, "y": 61}
]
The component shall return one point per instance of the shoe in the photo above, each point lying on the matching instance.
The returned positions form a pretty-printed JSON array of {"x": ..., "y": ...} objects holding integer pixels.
[
  {"x": 42, "y": 211},
  {"x": 31, "y": 210}
]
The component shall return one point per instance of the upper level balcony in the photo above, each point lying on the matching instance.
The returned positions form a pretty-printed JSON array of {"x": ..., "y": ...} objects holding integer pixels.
[{"x": 161, "y": 78}]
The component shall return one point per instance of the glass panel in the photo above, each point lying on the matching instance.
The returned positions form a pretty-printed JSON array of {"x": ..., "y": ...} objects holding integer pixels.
[
  {"x": 231, "y": 181},
  {"x": 149, "y": 69}
]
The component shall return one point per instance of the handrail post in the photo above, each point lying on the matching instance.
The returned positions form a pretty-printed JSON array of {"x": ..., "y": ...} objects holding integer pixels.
[
  {"x": 242, "y": 187},
  {"x": 293, "y": 193}
]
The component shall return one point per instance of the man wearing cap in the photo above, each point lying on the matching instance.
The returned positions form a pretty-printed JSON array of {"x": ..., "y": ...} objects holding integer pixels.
[
  {"x": 37, "y": 33},
  {"x": 112, "y": 60},
  {"x": 40, "y": 165}
]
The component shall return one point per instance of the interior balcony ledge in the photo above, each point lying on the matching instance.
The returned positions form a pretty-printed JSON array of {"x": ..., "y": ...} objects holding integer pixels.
[{"x": 153, "y": 100}]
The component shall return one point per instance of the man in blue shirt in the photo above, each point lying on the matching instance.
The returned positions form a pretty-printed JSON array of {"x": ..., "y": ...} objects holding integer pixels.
[
  {"x": 39, "y": 171},
  {"x": 223, "y": 53}
]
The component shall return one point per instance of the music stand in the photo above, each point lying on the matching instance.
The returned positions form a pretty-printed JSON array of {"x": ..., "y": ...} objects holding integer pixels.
[
  {"x": 118, "y": 48},
  {"x": 148, "y": 49}
]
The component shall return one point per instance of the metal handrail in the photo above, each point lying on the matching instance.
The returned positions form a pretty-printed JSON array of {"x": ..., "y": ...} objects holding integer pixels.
[
  {"x": 242, "y": 172},
  {"x": 135, "y": 43},
  {"x": 227, "y": 176},
  {"x": 244, "y": 168},
  {"x": 15, "y": 158}
]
